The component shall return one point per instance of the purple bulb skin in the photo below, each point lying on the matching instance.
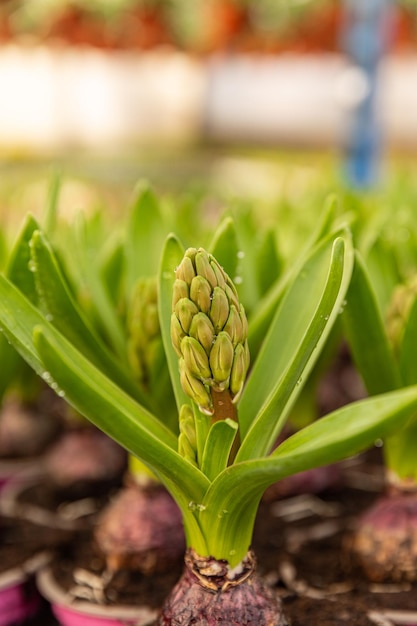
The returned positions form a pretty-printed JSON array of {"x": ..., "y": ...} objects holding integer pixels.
[
  {"x": 141, "y": 529},
  {"x": 206, "y": 595},
  {"x": 384, "y": 542}
]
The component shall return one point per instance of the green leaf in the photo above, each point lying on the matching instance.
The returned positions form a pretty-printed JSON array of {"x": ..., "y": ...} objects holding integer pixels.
[
  {"x": 65, "y": 314},
  {"x": 218, "y": 447},
  {"x": 117, "y": 414},
  {"x": 265, "y": 309},
  {"x": 88, "y": 242},
  {"x": 172, "y": 255},
  {"x": 237, "y": 491},
  {"x": 268, "y": 262},
  {"x": 407, "y": 358},
  {"x": 224, "y": 246},
  {"x": 112, "y": 270},
  {"x": 19, "y": 272},
  {"x": 145, "y": 234},
  {"x": 366, "y": 335},
  {"x": 19, "y": 268},
  {"x": 292, "y": 346}
]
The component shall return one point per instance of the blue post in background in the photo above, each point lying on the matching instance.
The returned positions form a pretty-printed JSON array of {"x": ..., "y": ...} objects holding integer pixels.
[{"x": 366, "y": 33}]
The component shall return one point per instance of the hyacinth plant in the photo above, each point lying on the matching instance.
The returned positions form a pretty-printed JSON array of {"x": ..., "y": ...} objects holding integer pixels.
[
  {"x": 383, "y": 348},
  {"x": 230, "y": 410}
]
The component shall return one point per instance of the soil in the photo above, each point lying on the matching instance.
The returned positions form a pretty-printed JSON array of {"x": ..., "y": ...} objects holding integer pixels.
[{"x": 300, "y": 544}]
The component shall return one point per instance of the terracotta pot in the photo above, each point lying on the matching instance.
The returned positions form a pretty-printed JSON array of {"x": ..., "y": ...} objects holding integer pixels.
[
  {"x": 19, "y": 597},
  {"x": 83, "y": 613}
]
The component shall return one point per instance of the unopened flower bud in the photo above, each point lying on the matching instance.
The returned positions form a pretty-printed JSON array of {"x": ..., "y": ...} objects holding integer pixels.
[
  {"x": 202, "y": 329},
  {"x": 239, "y": 370},
  {"x": 185, "y": 271},
  {"x": 209, "y": 329},
  {"x": 195, "y": 389},
  {"x": 219, "y": 273},
  {"x": 195, "y": 358},
  {"x": 200, "y": 293},
  {"x": 221, "y": 360},
  {"x": 185, "y": 310},
  {"x": 234, "y": 326},
  {"x": 219, "y": 309},
  {"x": 187, "y": 440},
  {"x": 231, "y": 293},
  {"x": 204, "y": 268},
  {"x": 177, "y": 333},
  {"x": 180, "y": 290}
]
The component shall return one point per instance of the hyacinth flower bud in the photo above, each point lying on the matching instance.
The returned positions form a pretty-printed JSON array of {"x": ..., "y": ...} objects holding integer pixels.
[
  {"x": 398, "y": 311},
  {"x": 209, "y": 331},
  {"x": 204, "y": 268},
  {"x": 238, "y": 371},
  {"x": 143, "y": 327},
  {"x": 185, "y": 309},
  {"x": 221, "y": 360},
  {"x": 200, "y": 293},
  {"x": 195, "y": 389},
  {"x": 187, "y": 441},
  {"x": 202, "y": 330},
  {"x": 195, "y": 358},
  {"x": 219, "y": 310},
  {"x": 180, "y": 290}
]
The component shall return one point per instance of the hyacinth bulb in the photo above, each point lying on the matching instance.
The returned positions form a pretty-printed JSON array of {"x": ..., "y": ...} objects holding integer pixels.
[
  {"x": 210, "y": 593},
  {"x": 209, "y": 330},
  {"x": 384, "y": 542},
  {"x": 141, "y": 529}
]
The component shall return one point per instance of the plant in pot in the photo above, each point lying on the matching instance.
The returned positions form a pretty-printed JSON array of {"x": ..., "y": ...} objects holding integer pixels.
[
  {"x": 383, "y": 350},
  {"x": 221, "y": 462}
]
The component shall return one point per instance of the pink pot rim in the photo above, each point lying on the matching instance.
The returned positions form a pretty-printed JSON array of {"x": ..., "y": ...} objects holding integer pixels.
[{"x": 60, "y": 600}]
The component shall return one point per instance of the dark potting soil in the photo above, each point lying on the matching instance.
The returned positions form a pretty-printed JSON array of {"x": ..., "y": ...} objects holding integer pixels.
[
  {"x": 300, "y": 547},
  {"x": 21, "y": 539}
]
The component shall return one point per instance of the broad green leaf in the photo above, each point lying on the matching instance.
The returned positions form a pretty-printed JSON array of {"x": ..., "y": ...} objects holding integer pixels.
[
  {"x": 117, "y": 414},
  {"x": 171, "y": 257},
  {"x": 237, "y": 491},
  {"x": 218, "y": 447},
  {"x": 18, "y": 317},
  {"x": 400, "y": 452},
  {"x": 224, "y": 246},
  {"x": 145, "y": 234},
  {"x": 202, "y": 427},
  {"x": 65, "y": 314},
  {"x": 268, "y": 263},
  {"x": 88, "y": 242},
  {"x": 245, "y": 274},
  {"x": 19, "y": 272},
  {"x": 407, "y": 358},
  {"x": 19, "y": 268},
  {"x": 292, "y": 346},
  {"x": 262, "y": 315},
  {"x": 366, "y": 334},
  {"x": 112, "y": 270}
]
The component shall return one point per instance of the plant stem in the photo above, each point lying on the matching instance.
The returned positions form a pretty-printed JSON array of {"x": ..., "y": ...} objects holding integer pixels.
[{"x": 225, "y": 409}]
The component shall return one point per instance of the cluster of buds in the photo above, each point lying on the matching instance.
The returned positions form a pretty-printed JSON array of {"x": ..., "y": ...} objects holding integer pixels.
[
  {"x": 144, "y": 335},
  {"x": 399, "y": 310},
  {"x": 208, "y": 329}
]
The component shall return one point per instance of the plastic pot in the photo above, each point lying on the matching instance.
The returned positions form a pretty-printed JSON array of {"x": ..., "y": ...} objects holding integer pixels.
[
  {"x": 71, "y": 612},
  {"x": 19, "y": 597}
]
